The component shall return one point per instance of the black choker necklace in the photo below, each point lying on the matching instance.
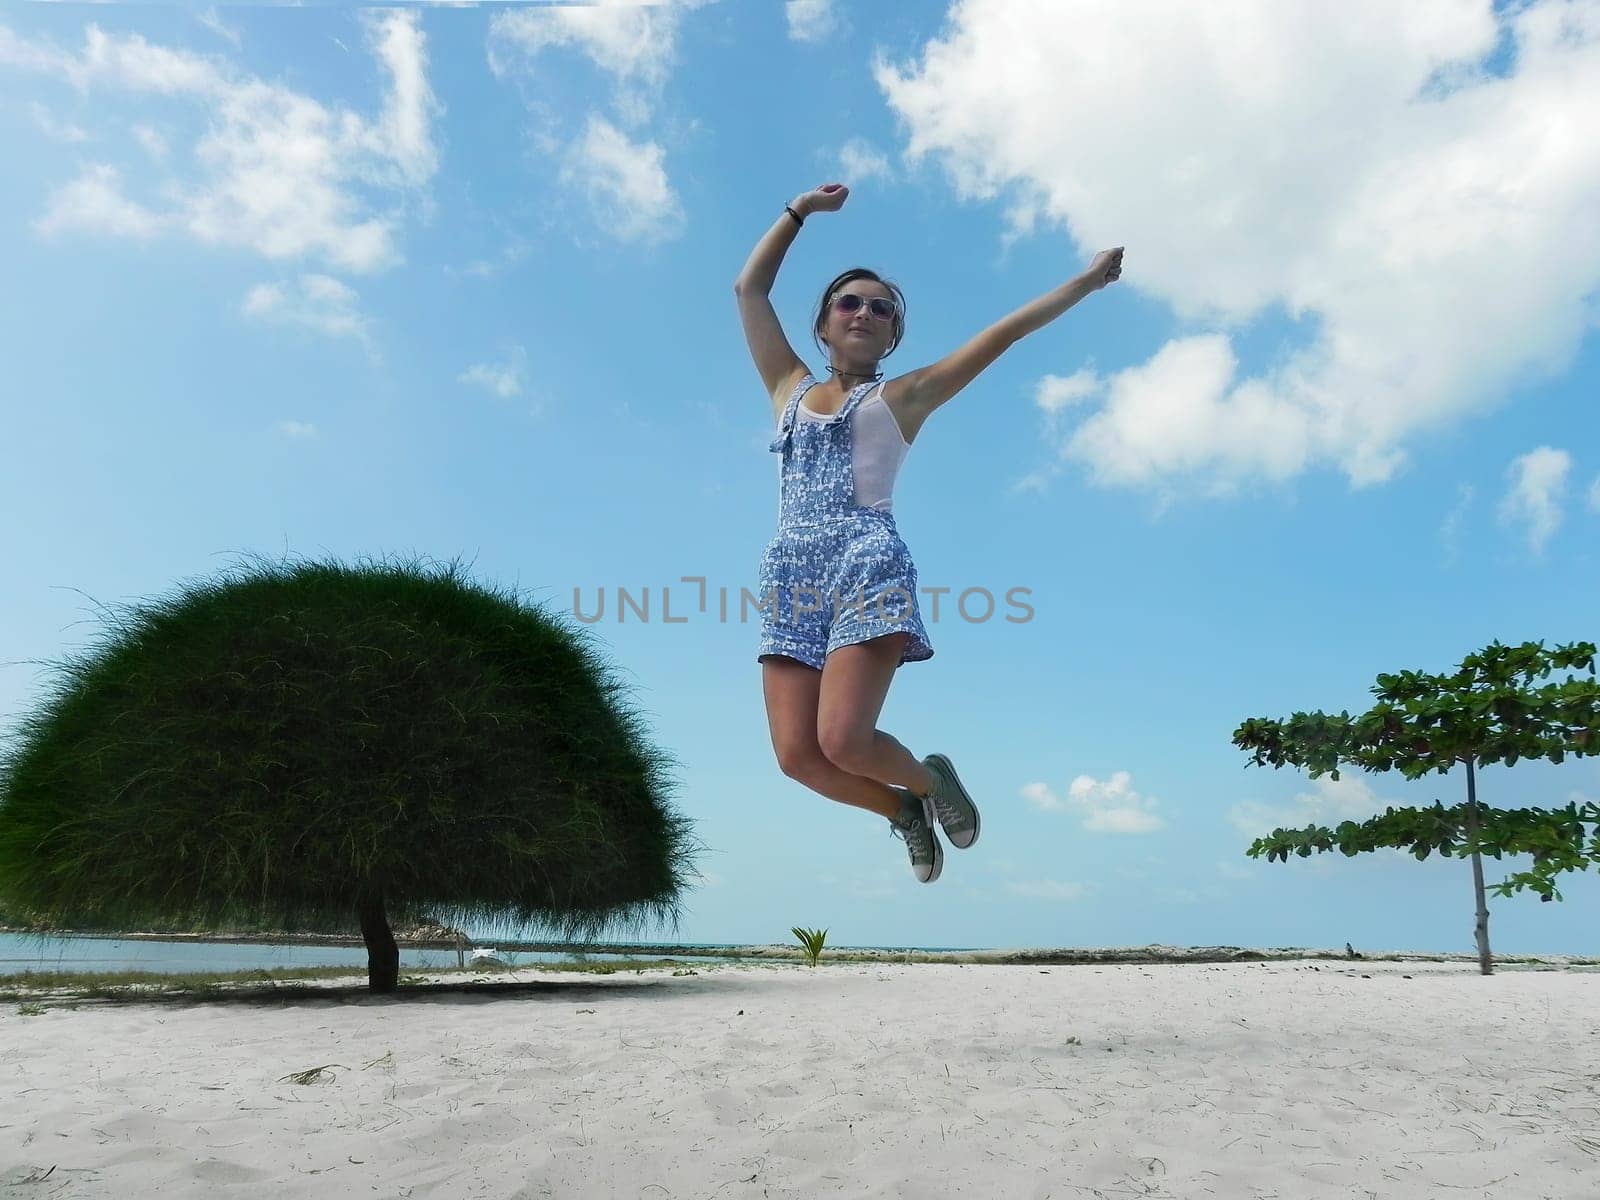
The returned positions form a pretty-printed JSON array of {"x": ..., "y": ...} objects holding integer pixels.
[{"x": 856, "y": 374}]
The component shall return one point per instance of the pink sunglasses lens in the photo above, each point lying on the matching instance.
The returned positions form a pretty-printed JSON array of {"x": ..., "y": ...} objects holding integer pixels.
[{"x": 877, "y": 306}]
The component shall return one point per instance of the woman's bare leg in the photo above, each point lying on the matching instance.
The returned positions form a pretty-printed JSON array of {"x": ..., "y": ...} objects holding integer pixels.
[
  {"x": 855, "y": 681},
  {"x": 793, "y": 694}
]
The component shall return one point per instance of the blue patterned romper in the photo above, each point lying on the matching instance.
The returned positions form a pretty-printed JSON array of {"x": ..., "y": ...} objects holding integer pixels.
[{"x": 844, "y": 561}]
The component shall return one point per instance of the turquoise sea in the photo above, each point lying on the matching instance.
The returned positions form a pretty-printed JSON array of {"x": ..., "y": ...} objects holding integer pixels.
[{"x": 22, "y": 952}]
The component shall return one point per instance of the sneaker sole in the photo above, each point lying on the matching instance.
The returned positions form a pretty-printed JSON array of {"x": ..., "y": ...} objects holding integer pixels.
[
  {"x": 938, "y": 861},
  {"x": 977, "y": 820},
  {"x": 933, "y": 828}
]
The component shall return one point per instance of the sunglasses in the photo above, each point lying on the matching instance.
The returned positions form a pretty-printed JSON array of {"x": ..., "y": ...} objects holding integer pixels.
[{"x": 849, "y": 302}]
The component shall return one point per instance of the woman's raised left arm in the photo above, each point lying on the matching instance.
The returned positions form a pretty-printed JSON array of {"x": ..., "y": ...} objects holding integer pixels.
[{"x": 921, "y": 391}]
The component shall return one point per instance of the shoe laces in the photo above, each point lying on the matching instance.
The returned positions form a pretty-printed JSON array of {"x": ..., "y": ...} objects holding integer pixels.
[
  {"x": 945, "y": 810},
  {"x": 918, "y": 836}
]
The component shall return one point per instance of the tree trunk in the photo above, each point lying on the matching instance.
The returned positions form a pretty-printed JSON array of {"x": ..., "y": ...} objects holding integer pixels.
[
  {"x": 1481, "y": 927},
  {"x": 383, "y": 956}
]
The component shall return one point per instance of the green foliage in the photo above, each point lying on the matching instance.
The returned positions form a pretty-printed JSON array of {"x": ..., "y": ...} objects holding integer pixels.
[
  {"x": 1487, "y": 711},
  {"x": 271, "y": 749},
  {"x": 811, "y": 941},
  {"x": 1555, "y": 838}
]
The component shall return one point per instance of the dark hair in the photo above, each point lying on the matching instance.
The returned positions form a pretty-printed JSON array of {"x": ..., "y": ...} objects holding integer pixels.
[{"x": 850, "y": 276}]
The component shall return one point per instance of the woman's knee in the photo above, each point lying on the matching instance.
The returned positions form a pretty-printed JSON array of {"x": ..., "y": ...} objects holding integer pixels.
[
  {"x": 845, "y": 746},
  {"x": 801, "y": 762}
]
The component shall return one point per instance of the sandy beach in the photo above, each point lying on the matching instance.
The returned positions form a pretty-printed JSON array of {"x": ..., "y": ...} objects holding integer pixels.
[{"x": 1285, "y": 1079}]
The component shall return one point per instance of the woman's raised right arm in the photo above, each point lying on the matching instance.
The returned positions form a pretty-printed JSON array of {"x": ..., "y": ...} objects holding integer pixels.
[{"x": 779, "y": 366}]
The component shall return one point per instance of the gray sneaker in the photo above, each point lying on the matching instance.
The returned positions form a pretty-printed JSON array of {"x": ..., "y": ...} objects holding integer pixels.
[
  {"x": 922, "y": 844},
  {"x": 956, "y": 813}
]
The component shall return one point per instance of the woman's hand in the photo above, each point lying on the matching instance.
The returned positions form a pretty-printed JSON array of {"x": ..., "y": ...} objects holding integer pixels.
[
  {"x": 1106, "y": 268},
  {"x": 830, "y": 197}
]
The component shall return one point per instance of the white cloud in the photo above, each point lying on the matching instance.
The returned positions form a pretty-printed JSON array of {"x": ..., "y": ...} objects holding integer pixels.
[
  {"x": 501, "y": 379},
  {"x": 297, "y": 429},
  {"x": 111, "y": 60},
  {"x": 403, "y": 134},
  {"x": 811, "y": 20},
  {"x": 1538, "y": 489},
  {"x": 1037, "y": 481},
  {"x": 1111, "y": 806},
  {"x": 280, "y": 174},
  {"x": 860, "y": 160},
  {"x": 316, "y": 302},
  {"x": 94, "y": 202},
  {"x": 628, "y": 40},
  {"x": 1048, "y": 889},
  {"x": 509, "y": 255},
  {"x": 626, "y": 181},
  {"x": 637, "y": 46},
  {"x": 154, "y": 143},
  {"x": 1056, "y": 393},
  {"x": 29, "y": 56},
  {"x": 212, "y": 21},
  {"x": 1450, "y": 531},
  {"x": 1349, "y": 799},
  {"x": 1184, "y": 413},
  {"x": 1388, "y": 191},
  {"x": 1329, "y": 804},
  {"x": 1041, "y": 797},
  {"x": 51, "y": 127}
]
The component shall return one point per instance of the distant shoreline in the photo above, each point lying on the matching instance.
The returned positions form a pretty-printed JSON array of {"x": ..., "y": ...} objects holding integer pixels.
[{"x": 1044, "y": 956}]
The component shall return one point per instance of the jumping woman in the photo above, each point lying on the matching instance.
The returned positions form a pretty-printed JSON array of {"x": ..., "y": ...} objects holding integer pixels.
[{"x": 838, "y": 585}]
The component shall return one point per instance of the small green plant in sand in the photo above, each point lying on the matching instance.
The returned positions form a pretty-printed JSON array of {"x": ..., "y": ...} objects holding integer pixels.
[
  {"x": 811, "y": 941},
  {"x": 30, "y": 1010}
]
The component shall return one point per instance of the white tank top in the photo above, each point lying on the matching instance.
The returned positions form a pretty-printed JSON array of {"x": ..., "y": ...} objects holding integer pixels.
[{"x": 877, "y": 448}]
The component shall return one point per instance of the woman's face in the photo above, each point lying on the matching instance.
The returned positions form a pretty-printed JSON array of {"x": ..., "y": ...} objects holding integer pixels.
[{"x": 859, "y": 334}]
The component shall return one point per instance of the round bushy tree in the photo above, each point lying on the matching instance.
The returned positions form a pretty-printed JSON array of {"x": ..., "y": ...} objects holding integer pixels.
[{"x": 323, "y": 747}]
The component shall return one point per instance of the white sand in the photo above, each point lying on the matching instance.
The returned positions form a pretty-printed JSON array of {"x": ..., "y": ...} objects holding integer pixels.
[{"x": 1238, "y": 1080}]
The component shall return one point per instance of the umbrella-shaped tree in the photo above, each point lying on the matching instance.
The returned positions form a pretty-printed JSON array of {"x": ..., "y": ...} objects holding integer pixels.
[
  {"x": 1489, "y": 710},
  {"x": 328, "y": 748}
]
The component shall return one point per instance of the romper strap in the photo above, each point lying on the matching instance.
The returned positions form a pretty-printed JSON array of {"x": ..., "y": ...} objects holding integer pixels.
[
  {"x": 857, "y": 398},
  {"x": 787, "y": 420}
]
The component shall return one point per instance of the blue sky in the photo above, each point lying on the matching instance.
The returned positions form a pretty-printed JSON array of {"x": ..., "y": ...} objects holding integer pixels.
[{"x": 456, "y": 281}]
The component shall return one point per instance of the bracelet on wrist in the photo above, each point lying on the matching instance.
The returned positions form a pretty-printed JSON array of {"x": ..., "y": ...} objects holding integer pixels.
[{"x": 798, "y": 219}]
